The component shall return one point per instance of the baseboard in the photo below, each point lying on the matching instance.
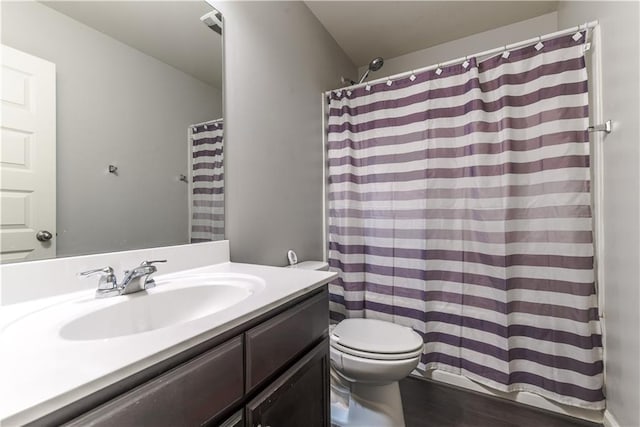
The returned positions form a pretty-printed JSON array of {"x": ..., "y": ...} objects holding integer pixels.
[
  {"x": 525, "y": 398},
  {"x": 608, "y": 420}
]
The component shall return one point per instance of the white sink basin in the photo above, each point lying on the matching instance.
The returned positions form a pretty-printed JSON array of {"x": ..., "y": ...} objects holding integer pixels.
[
  {"x": 143, "y": 312},
  {"x": 175, "y": 300},
  {"x": 172, "y": 302}
]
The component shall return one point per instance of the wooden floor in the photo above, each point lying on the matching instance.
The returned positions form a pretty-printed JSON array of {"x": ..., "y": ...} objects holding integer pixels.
[{"x": 427, "y": 403}]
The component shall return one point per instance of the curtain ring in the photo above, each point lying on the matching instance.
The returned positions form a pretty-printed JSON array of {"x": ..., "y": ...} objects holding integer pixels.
[{"x": 539, "y": 45}]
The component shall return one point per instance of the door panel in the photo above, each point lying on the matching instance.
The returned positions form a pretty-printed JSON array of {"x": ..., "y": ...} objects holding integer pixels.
[
  {"x": 27, "y": 156},
  {"x": 300, "y": 397}
]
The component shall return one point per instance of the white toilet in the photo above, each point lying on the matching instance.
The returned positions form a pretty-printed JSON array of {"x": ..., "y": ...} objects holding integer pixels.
[{"x": 368, "y": 358}]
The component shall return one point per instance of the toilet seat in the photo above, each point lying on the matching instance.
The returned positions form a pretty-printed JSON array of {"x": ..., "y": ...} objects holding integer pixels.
[
  {"x": 376, "y": 339},
  {"x": 377, "y": 356}
]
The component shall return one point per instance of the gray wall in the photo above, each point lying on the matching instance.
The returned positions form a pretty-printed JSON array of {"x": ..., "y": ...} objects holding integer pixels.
[
  {"x": 114, "y": 105},
  {"x": 522, "y": 30},
  {"x": 621, "y": 263},
  {"x": 278, "y": 60}
]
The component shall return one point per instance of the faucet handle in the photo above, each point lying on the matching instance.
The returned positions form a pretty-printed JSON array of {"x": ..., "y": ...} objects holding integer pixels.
[
  {"x": 104, "y": 271},
  {"x": 145, "y": 263},
  {"x": 107, "y": 285}
]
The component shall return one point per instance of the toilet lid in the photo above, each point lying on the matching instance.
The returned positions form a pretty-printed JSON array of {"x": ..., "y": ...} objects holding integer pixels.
[{"x": 375, "y": 336}]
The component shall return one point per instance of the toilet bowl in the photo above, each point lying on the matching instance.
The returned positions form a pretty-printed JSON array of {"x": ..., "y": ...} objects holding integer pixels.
[{"x": 368, "y": 358}]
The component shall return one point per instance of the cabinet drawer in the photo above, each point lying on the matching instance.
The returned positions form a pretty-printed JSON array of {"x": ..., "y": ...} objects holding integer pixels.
[
  {"x": 188, "y": 395},
  {"x": 279, "y": 340}
]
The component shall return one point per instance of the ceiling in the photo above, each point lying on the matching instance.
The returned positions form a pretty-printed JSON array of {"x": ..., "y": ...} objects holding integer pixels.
[
  {"x": 169, "y": 31},
  {"x": 367, "y": 29}
]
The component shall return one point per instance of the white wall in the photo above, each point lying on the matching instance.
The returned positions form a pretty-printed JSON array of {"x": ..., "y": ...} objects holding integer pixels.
[
  {"x": 278, "y": 61},
  {"x": 114, "y": 105},
  {"x": 621, "y": 99},
  {"x": 468, "y": 45}
]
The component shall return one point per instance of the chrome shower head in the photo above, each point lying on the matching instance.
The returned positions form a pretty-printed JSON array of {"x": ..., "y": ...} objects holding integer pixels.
[{"x": 374, "y": 65}]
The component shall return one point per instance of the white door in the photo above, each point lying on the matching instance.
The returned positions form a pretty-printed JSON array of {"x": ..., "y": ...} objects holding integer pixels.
[{"x": 27, "y": 157}]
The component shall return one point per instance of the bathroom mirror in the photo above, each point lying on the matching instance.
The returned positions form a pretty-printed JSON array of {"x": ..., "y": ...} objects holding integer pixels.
[{"x": 137, "y": 124}]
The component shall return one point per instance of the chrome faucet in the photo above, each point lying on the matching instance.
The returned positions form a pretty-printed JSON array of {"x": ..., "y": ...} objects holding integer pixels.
[{"x": 135, "y": 280}]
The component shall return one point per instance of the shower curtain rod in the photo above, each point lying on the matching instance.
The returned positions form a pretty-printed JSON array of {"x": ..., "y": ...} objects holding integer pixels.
[
  {"x": 207, "y": 122},
  {"x": 479, "y": 54}
]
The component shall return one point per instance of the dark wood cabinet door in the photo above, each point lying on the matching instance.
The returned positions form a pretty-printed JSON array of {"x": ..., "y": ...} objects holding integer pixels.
[
  {"x": 189, "y": 395},
  {"x": 299, "y": 397}
]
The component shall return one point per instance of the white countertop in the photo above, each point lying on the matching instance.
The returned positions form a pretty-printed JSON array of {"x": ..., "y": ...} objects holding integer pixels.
[{"x": 40, "y": 372}]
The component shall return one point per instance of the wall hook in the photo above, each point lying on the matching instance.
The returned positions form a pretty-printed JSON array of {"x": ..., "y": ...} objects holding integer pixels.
[
  {"x": 113, "y": 169},
  {"x": 183, "y": 178},
  {"x": 605, "y": 127}
]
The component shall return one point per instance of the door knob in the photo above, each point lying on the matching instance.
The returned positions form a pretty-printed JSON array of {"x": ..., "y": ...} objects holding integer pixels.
[{"x": 43, "y": 236}]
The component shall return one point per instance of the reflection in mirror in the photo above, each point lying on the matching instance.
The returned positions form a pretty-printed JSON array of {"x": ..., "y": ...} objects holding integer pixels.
[
  {"x": 111, "y": 126},
  {"x": 207, "y": 194}
]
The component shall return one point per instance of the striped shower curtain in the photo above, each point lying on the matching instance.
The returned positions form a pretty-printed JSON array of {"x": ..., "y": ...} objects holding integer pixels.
[
  {"x": 459, "y": 205},
  {"x": 207, "y": 205}
]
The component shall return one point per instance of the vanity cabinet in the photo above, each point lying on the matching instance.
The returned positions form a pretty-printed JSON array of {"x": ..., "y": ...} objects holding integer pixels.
[{"x": 270, "y": 371}]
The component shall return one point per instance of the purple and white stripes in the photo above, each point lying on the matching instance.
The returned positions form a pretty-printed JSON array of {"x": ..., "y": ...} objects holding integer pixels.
[
  {"x": 460, "y": 205},
  {"x": 207, "y": 210}
]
